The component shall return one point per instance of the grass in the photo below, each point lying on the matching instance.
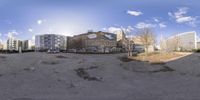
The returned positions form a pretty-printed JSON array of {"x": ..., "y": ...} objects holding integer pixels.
[{"x": 157, "y": 57}]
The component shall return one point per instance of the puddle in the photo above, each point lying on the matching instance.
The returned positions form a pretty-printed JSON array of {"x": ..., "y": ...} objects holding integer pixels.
[
  {"x": 22, "y": 99},
  {"x": 81, "y": 72},
  {"x": 61, "y": 57},
  {"x": 125, "y": 59},
  {"x": 50, "y": 62},
  {"x": 2, "y": 57},
  {"x": 29, "y": 69},
  {"x": 164, "y": 69},
  {"x": 149, "y": 68}
]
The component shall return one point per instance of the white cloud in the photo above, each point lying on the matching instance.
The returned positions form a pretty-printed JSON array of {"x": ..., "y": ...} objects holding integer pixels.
[
  {"x": 30, "y": 30},
  {"x": 104, "y": 29},
  {"x": 185, "y": 19},
  {"x": 113, "y": 29},
  {"x": 162, "y": 25},
  {"x": 14, "y": 32},
  {"x": 134, "y": 13},
  {"x": 156, "y": 20},
  {"x": 116, "y": 29},
  {"x": 141, "y": 25},
  {"x": 181, "y": 16},
  {"x": 129, "y": 29},
  {"x": 39, "y": 22}
]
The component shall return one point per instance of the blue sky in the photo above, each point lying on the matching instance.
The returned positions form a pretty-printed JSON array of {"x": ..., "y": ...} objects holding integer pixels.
[{"x": 26, "y": 18}]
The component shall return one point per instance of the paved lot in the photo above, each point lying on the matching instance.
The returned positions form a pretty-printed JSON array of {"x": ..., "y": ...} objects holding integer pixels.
[{"x": 41, "y": 76}]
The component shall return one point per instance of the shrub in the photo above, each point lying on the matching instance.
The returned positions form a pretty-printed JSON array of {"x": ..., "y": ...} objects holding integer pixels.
[{"x": 198, "y": 50}]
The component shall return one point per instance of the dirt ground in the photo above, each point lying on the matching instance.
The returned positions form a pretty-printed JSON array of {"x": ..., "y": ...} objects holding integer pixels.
[
  {"x": 158, "y": 57},
  {"x": 41, "y": 76}
]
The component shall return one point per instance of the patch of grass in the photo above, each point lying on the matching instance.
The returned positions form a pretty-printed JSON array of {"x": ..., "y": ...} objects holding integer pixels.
[{"x": 157, "y": 58}]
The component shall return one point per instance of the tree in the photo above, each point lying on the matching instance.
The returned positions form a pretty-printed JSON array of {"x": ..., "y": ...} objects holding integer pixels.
[
  {"x": 128, "y": 41},
  {"x": 173, "y": 43},
  {"x": 147, "y": 38}
]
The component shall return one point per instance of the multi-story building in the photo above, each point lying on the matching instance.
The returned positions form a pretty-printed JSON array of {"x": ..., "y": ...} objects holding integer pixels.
[
  {"x": 94, "y": 42},
  {"x": 186, "y": 41},
  {"x": 26, "y": 45},
  {"x": 50, "y": 42},
  {"x": 1, "y": 46},
  {"x": 122, "y": 41},
  {"x": 13, "y": 44},
  {"x": 120, "y": 35}
]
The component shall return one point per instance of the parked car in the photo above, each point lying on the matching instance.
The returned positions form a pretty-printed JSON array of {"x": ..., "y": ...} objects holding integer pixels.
[
  {"x": 72, "y": 50},
  {"x": 53, "y": 51},
  {"x": 138, "y": 48}
]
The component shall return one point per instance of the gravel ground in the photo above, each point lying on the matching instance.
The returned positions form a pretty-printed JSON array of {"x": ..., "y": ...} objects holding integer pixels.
[{"x": 41, "y": 76}]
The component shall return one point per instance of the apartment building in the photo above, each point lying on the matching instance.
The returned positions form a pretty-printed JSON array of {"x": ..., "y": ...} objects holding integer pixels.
[
  {"x": 27, "y": 45},
  {"x": 186, "y": 41},
  {"x": 122, "y": 41},
  {"x": 13, "y": 44},
  {"x": 1, "y": 46},
  {"x": 50, "y": 42}
]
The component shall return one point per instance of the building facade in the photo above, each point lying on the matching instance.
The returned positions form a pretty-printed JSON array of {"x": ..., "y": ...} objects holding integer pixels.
[
  {"x": 50, "y": 42},
  {"x": 13, "y": 44},
  {"x": 1, "y": 46},
  {"x": 18, "y": 45},
  {"x": 27, "y": 45},
  {"x": 100, "y": 42},
  {"x": 122, "y": 42},
  {"x": 186, "y": 41}
]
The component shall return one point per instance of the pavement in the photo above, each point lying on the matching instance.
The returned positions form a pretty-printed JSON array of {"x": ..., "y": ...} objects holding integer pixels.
[{"x": 42, "y": 76}]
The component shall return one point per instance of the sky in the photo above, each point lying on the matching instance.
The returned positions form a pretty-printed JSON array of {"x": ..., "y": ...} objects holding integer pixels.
[{"x": 27, "y": 18}]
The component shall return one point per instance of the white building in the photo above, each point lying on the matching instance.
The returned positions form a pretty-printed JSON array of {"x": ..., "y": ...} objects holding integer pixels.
[
  {"x": 120, "y": 35},
  {"x": 186, "y": 41},
  {"x": 50, "y": 42},
  {"x": 12, "y": 43},
  {"x": 27, "y": 45},
  {"x": 1, "y": 46}
]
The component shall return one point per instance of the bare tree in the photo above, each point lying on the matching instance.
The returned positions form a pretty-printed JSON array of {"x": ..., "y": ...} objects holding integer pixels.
[
  {"x": 128, "y": 41},
  {"x": 147, "y": 38},
  {"x": 163, "y": 44},
  {"x": 173, "y": 43}
]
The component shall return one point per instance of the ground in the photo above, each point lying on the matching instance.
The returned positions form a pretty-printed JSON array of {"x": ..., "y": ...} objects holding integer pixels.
[{"x": 41, "y": 76}]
